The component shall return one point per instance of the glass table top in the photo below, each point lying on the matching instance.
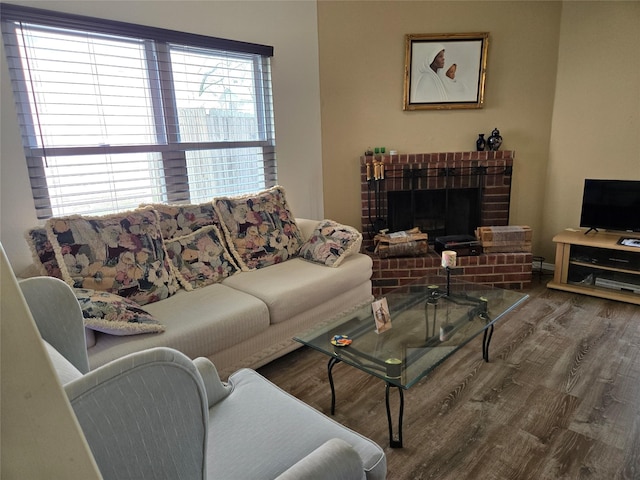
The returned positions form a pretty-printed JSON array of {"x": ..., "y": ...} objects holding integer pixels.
[{"x": 431, "y": 318}]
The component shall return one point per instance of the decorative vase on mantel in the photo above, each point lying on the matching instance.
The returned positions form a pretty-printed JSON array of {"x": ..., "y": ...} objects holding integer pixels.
[
  {"x": 480, "y": 142},
  {"x": 495, "y": 140}
]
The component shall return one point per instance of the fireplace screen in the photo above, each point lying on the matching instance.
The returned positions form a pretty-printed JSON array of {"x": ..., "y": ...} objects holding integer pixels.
[{"x": 436, "y": 212}]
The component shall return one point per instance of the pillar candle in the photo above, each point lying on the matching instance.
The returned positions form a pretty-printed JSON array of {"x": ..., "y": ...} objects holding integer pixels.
[{"x": 449, "y": 259}]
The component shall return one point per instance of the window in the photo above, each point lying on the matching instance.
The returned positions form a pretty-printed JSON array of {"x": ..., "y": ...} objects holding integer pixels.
[{"x": 113, "y": 114}]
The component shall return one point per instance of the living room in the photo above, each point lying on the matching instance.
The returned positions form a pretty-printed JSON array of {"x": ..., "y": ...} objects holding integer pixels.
[{"x": 338, "y": 72}]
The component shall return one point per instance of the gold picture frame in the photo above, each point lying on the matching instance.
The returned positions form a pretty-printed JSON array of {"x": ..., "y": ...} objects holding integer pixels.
[{"x": 445, "y": 71}]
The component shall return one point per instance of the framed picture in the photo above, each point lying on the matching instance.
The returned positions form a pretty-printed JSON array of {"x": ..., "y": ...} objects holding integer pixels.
[
  {"x": 381, "y": 315},
  {"x": 445, "y": 71}
]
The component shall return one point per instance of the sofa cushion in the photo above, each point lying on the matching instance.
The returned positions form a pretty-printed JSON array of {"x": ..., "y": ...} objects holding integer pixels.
[
  {"x": 293, "y": 287},
  {"x": 42, "y": 251},
  {"x": 110, "y": 313},
  {"x": 200, "y": 258},
  {"x": 177, "y": 220},
  {"x": 122, "y": 253},
  {"x": 330, "y": 243},
  {"x": 199, "y": 323},
  {"x": 259, "y": 228}
]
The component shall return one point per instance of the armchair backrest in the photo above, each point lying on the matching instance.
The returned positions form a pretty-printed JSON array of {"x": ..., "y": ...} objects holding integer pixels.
[
  {"x": 145, "y": 416},
  {"x": 58, "y": 315}
]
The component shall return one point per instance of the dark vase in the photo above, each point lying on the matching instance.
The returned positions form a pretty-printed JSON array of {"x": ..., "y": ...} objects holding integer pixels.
[
  {"x": 480, "y": 142},
  {"x": 495, "y": 140}
]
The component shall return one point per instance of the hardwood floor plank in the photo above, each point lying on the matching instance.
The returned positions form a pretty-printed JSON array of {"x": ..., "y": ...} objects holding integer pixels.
[
  {"x": 631, "y": 462},
  {"x": 544, "y": 413}
]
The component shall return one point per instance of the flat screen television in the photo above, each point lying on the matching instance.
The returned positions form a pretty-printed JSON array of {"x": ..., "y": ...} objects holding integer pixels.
[{"x": 611, "y": 205}]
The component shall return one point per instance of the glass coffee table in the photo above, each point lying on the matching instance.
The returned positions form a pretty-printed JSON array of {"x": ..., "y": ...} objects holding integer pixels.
[{"x": 431, "y": 319}]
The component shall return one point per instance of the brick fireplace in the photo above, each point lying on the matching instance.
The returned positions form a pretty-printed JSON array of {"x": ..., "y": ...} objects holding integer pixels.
[{"x": 448, "y": 193}]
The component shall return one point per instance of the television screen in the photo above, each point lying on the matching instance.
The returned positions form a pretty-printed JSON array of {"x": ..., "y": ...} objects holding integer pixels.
[{"x": 611, "y": 205}]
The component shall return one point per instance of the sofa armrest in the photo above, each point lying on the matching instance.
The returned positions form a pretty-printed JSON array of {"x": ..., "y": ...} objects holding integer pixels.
[
  {"x": 306, "y": 227},
  {"x": 58, "y": 315},
  {"x": 335, "y": 460},
  {"x": 65, "y": 370},
  {"x": 144, "y": 416},
  {"x": 215, "y": 388}
]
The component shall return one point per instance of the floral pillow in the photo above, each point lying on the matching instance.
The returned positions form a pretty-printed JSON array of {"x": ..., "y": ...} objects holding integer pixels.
[
  {"x": 122, "y": 253},
  {"x": 43, "y": 255},
  {"x": 330, "y": 243},
  {"x": 109, "y": 313},
  {"x": 200, "y": 258},
  {"x": 259, "y": 228},
  {"x": 179, "y": 220}
]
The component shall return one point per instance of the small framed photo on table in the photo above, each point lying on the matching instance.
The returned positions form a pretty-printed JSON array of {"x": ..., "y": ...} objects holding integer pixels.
[{"x": 381, "y": 315}]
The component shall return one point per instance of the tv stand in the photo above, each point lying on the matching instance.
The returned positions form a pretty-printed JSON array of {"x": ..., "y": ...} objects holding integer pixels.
[
  {"x": 590, "y": 229},
  {"x": 594, "y": 263}
]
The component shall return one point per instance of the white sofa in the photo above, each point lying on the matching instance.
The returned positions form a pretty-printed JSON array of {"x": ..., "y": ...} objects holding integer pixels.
[{"x": 249, "y": 318}]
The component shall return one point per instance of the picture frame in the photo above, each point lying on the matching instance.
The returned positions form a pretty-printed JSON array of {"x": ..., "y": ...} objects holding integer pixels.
[
  {"x": 445, "y": 71},
  {"x": 381, "y": 315}
]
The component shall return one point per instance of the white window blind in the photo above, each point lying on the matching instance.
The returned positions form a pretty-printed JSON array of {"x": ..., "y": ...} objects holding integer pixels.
[{"x": 113, "y": 114}]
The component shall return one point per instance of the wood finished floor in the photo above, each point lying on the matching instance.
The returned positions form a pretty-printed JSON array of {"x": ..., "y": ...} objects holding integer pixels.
[{"x": 559, "y": 399}]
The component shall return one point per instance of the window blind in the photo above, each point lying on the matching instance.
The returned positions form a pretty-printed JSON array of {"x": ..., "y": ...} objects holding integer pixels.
[{"x": 114, "y": 114}]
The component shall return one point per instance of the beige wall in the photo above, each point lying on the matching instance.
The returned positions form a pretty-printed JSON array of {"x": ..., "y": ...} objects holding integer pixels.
[
  {"x": 291, "y": 27},
  {"x": 596, "y": 115},
  {"x": 361, "y": 72}
]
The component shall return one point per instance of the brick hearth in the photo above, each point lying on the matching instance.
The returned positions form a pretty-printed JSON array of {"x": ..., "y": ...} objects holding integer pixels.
[{"x": 504, "y": 270}]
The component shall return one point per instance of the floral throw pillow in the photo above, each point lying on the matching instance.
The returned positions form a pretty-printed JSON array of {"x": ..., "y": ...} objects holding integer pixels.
[
  {"x": 259, "y": 228},
  {"x": 330, "y": 243},
  {"x": 122, "y": 253},
  {"x": 43, "y": 255},
  {"x": 200, "y": 258},
  {"x": 109, "y": 313},
  {"x": 180, "y": 220}
]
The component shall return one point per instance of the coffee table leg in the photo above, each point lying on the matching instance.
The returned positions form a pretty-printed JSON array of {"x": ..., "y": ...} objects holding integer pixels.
[
  {"x": 486, "y": 340},
  {"x": 393, "y": 443},
  {"x": 332, "y": 362}
]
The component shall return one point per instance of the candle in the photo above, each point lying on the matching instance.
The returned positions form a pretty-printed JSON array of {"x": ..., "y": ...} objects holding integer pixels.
[
  {"x": 368, "y": 172},
  {"x": 449, "y": 259}
]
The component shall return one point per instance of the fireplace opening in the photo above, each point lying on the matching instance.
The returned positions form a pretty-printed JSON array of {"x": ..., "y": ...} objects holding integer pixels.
[{"x": 436, "y": 212}]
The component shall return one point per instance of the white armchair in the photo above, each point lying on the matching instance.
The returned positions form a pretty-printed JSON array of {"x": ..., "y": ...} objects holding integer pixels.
[{"x": 156, "y": 414}]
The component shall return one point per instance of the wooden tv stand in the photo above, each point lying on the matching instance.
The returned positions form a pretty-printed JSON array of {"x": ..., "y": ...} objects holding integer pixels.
[{"x": 595, "y": 264}]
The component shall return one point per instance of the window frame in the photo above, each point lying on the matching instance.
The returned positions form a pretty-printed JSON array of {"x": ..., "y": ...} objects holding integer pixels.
[{"x": 168, "y": 143}]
